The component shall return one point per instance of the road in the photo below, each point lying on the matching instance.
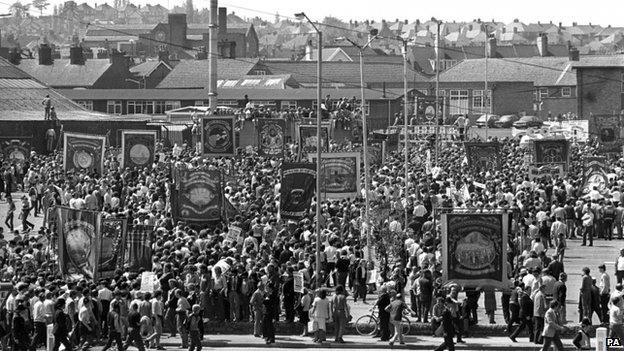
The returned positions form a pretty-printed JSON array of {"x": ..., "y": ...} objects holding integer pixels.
[{"x": 577, "y": 257}]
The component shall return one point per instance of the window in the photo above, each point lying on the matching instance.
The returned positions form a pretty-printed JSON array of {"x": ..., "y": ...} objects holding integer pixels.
[
  {"x": 258, "y": 72},
  {"x": 199, "y": 103},
  {"x": 230, "y": 83},
  {"x": 171, "y": 105},
  {"x": 250, "y": 82},
  {"x": 264, "y": 103},
  {"x": 566, "y": 92},
  {"x": 113, "y": 107},
  {"x": 289, "y": 104},
  {"x": 229, "y": 103},
  {"x": 272, "y": 82},
  {"x": 159, "y": 107},
  {"x": 543, "y": 93},
  {"x": 87, "y": 104},
  {"x": 134, "y": 107},
  {"x": 148, "y": 107},
  {"x": 481, "y": 104},
  {"x": 458, "y": 102}
]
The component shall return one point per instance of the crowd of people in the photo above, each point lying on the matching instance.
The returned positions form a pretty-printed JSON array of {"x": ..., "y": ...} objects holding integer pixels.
[{"x": 200, "y": 277}]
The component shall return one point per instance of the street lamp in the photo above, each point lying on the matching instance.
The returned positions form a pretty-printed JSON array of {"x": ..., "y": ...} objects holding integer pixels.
[
  {"x": 302, "y": 16},
  {"x": 437, "y": 85},
  {"x": 372, "y": 36}
]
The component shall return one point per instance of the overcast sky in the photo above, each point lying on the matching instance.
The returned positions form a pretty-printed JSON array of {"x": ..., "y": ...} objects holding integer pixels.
[{"x": 602, "y": 12}]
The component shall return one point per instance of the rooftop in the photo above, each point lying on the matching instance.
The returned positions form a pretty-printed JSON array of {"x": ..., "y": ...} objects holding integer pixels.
[
  {"x": 194, "y": 73},
  {"x": 63, "y": 74}
]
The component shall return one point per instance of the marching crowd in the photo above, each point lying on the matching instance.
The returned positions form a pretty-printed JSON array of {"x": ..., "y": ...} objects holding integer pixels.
[{"x": 202, "y": 278}]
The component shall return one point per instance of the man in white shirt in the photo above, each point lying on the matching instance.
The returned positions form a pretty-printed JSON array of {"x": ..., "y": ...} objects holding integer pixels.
[
  {"x": 619, "y": 267},
  {"x": 604, "y": 286},
  {"x": 40, "y": 322}
]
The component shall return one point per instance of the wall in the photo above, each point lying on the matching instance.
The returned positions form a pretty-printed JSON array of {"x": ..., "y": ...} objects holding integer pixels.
[
  {"x": 559, "y": 105},
  {"x": 599, "y": 91}
]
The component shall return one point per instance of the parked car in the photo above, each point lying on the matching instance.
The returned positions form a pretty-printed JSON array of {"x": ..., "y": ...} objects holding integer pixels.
[
  {"x": 528, "y": 122},
  {"x": 490, "y": 120},
  {"x": 506, "y": 121}
]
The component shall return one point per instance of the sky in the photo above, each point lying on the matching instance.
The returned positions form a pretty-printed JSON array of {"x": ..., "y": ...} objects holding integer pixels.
[{"x": 603, "y": 12}]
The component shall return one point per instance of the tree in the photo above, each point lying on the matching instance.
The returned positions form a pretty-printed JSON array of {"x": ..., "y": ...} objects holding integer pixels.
[
  {"x": 19, "y": 10},
  {"x": 190, "y": 11},
  {"x": 41, "y": 5},
  {"x": 332, "y": 29}
]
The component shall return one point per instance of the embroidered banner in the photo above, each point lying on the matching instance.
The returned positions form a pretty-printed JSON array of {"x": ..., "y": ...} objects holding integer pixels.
[
  {"x": 112, "y": 246},
  {"x": 83, "y": 152},
  {"x": 138, "y": 148},
  {"x": 218, "y": 136},
  {"x": 139, "y": 248},
  {"x": 306, "y": 135},
  {"x": 595, "y": 174},
  {"x": 483, "y": 157},
  {"x": 608, "y": 131},
  {"x": 340, "y": 174},
  {"x": 551, "y": 151},
  {"x": 78, "y": 243},
  {"x": 15, "y": 151},
  {"x": 473, "y": 249},
  {"x": 546, "y": 171},
  {"x": 426, "y": 108},
  {"x": 199, "y": 195},
  {"x": 297, "y": 189},
  {"x": 271, "y": 134}
]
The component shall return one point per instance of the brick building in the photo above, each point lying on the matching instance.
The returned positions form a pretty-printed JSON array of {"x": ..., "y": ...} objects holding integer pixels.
[{"x": 600, "y": 82}]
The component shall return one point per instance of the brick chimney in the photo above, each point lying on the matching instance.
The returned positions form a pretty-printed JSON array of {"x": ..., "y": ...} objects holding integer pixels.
[
  {"x": 573, "y": 54},
  {"x": 15, "y": 56},
  {"x": 491, "y": 47},
  {"x": 45, "y": 55},
  {"x": 222, "y": 21},
  {"x": 76, "y": 56},
  {"x": 542, "y": 45},
  {"x": 177, "y": 30}
]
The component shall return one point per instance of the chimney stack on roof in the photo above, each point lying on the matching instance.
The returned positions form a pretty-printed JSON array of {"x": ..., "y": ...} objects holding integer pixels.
[
  {"x": 491, "y": 47},
  {"x": 15, "y": 56},
  {"x": 177, "y": 30},
  {"x": 542, "y": 45},
  {"x": 222, "y": 21},
  {"x": 573, "y": 54},
  {"x": 76, "y": 56},
  {"x": 45, "y": 55}
]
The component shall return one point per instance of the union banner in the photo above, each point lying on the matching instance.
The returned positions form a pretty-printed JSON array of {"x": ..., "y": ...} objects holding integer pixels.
[
  {"x": 199, "y": 195},
  {"x": 139, "y": 248},
  {"x": 112, "y": 246},
  {"x": 340, "y": 174},
  {"x": 137, "y": 148},
  {"x": 83, "y": 152},
  {"x": 78, "y": 242},
  {"x": 271, "y": 132},
  {"x": 218, "y": 136},
  {"x": 474, "y": 248},
  {"x": 551, "y": 151},
  {"x": 608, "y": 131},
  {"x": 483, "y": 157},
  {"x": 595, "y": 174},
  {"x": 306, "y": 135},
  {"x": 546, "y": 171},
  {"x": 297, "y": 189}
]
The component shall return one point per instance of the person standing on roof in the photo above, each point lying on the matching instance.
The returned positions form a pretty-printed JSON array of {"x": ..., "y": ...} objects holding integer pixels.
[{"x": 47, "y": 104}]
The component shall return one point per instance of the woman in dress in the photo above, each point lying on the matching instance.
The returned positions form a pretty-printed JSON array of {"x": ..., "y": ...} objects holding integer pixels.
[{"x": 320, "y": 312}]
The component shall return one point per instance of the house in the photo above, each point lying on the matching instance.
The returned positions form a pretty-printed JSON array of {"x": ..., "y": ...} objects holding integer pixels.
[
  {"x": 194, "y": 73},
  {"x": 600, "y": 88},
  {"x": 78, "y": 72},
  {"x": 583, "y": 33},
  {"x": 149, "y": 74},
  {"x": 105, "y": 12}
]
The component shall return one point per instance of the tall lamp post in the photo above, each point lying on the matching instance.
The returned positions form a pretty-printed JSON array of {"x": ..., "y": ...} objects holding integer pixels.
[
  {"x": 319, "y": 61},
  {"x": 366, "y": 224},
  {"x": 437, "y": 85}
]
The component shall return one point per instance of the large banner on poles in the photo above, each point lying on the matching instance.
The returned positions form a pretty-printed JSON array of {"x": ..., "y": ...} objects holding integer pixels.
[
  {"x": 474, "y": 248},
  {"x": 83, "y": 152},
  {"x": 137, "y": 148},
  {"x": 199, "y": 195},
  {"x": 551, "y": 151},
  {"x": 608, "y": 131},
  {"x": 306, "y": 136},
  {"x": 595, "y": 174},
  {"x": 340, "y": 174},
  {"x": 218, "y": 136},
  {"x": 483, "y": 157},
  {"x": 139, "y": 248},
  {"x": 297, "y": 189},
  {"x": 112, "y": 246},
  {"x": 271, "y": 132},
  {"x": 78, "y": 242}
]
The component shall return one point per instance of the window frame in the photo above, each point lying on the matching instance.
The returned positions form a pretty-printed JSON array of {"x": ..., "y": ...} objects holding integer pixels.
[
  {"x": 568, "y": 90},
  {"x": 117, "y": 107}
]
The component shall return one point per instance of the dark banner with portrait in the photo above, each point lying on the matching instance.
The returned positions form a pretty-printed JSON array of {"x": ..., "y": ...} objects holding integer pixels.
[
  {"x": 340, "y": 174},
  {"x": 426, "y": 108},
  {"x": 198, "y": 195},
  {"x": 551, "y": 151},
  {"x": 139, "y": 248},
  {"x": 307, "y": 139},
  {"x": 112, "y": 246},
  {"x": 474, "y": 249},
  {"x": 14, "y": 150},
  {"x": 608, "y": 132},
  {"x": 218, "y": 136},
  {"x": 78, "y": 242},
  {"x": 296, "y": 189},
  {"x": 595, "y": 174},
  {"x": 83, "y": 152},
  {"x": 271, "y": 133},
  {"x": 483, "y": 157},
  {"x": 138, "y": 148}
]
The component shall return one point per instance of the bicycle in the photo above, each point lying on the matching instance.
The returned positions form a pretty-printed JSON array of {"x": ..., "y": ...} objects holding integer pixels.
[{"x": 368, "y": 324}]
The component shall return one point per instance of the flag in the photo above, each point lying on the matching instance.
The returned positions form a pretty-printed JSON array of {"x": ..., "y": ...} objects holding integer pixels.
[
  {"x": 595, "y": 174},
  {"x": 83, "y": 152},
  {"x": 139, "y": 248},
  {"x": 78, "y": 242},
  {"x": 199, "y": 195},
  {"x": 340, "y": 174},
  {"x": 112, "y": 246},
  {"x": 297, "y": 189},
  {"x": 218, "y": 136},
  {"x": 271, "y": 133},
  {"x": 137, "y": 148}
]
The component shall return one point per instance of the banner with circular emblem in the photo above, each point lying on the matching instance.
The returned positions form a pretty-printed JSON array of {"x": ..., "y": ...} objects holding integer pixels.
[
  {"x": 83, "y": 152},
  {"x": 138, "y": 148},
  {"x": 218, "y": 136}
]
